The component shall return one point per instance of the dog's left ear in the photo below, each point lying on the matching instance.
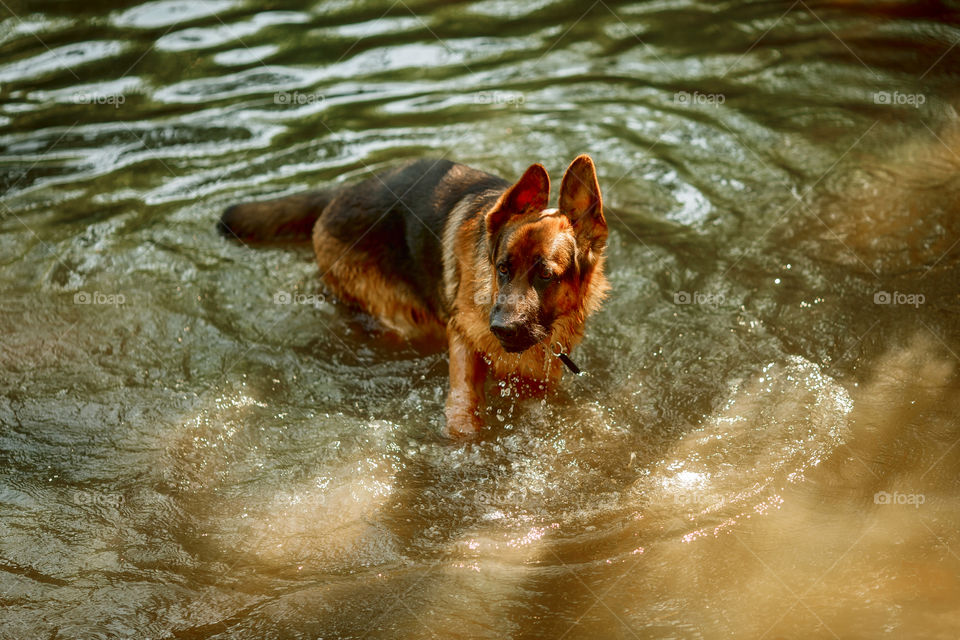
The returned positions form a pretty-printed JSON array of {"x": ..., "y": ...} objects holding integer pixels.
[
  {"x": 580, "y": 201},
  {"x": 530, "y": 193}
]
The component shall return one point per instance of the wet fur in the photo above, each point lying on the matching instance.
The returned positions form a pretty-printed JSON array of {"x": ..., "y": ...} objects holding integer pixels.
[{"x": 416, "y": 248}]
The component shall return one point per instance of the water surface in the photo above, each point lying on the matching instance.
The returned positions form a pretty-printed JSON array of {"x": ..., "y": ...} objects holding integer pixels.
[{"x": 197, "y": 443}]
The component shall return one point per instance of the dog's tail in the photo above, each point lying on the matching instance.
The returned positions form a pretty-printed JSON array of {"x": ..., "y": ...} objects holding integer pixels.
[{"x": 282, "y": 219}]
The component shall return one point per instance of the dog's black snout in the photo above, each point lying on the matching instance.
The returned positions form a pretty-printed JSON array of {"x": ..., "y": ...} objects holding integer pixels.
[{"x": 505, "y": 330}]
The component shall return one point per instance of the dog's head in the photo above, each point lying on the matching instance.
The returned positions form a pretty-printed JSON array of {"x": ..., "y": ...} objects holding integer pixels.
[{"x": 542, "y": 259}]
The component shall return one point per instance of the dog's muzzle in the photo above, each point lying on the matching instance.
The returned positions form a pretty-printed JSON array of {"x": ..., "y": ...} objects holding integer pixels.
[{"x": 514, "y": 337}]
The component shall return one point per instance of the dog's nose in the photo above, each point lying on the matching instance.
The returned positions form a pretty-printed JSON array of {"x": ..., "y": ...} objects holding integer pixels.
[{"x": 505, "y": 330}]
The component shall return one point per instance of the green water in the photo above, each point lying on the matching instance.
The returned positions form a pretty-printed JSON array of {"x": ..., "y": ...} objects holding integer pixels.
[{"x": 767, "y": 442}]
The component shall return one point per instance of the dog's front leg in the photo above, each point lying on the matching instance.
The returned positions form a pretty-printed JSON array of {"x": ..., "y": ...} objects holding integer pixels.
[{"x": 468, "y": 372}]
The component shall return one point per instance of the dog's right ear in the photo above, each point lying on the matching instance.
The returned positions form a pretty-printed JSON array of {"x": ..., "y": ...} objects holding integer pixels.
[{"x": 530, "y": 193}]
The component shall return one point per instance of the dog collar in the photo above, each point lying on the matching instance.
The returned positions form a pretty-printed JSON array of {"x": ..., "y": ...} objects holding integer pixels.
[{"x": 565, "y": 359}]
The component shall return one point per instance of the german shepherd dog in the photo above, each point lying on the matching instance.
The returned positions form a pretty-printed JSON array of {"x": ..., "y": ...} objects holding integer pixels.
[{"x": 440, "y": 251}]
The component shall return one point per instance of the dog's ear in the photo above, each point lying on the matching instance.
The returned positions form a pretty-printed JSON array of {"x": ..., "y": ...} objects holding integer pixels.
[
  {"x": 530, "y": 193},
  {"x": 580, "y": 201}
]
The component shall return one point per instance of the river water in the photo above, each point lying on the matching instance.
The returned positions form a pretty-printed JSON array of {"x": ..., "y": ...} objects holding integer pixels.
[{"x": 196, "y": 443}]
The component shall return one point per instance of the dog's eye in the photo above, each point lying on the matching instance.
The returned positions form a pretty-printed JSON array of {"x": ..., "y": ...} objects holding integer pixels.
[
  {"x": 545, "y": 274},
  {"x": 502, "y": 268}
]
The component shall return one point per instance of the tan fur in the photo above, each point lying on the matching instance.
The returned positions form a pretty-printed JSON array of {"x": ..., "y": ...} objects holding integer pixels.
[{"x": 356, "y": 282}]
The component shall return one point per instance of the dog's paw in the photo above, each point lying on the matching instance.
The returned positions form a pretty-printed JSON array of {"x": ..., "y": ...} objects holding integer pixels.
[{"x": 462, "y": 423}]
